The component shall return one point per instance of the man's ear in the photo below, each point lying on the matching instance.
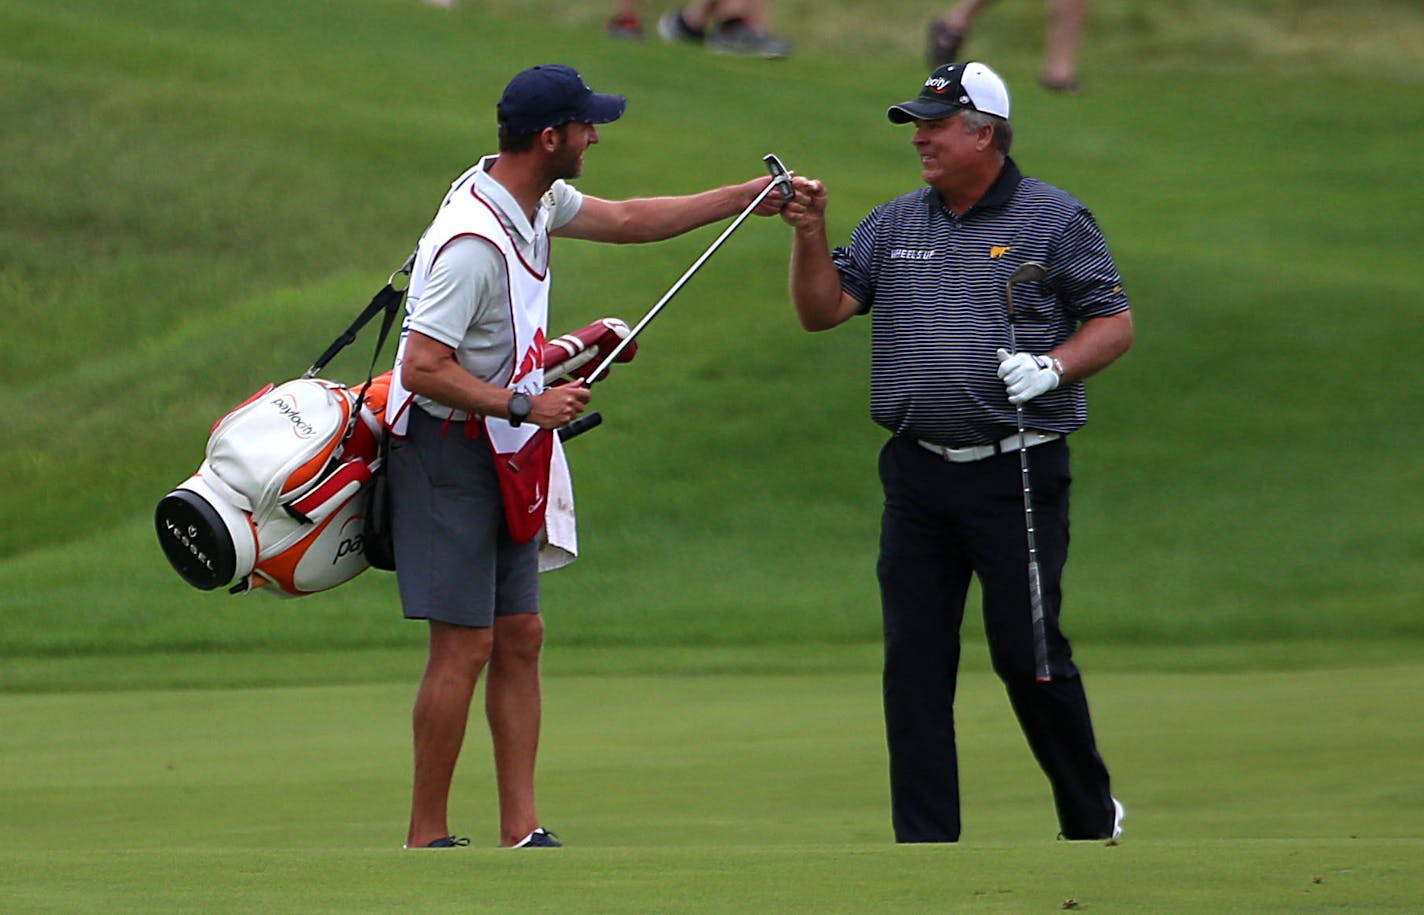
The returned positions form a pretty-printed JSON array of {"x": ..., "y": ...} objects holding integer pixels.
[{"x": 550, "y": 138}]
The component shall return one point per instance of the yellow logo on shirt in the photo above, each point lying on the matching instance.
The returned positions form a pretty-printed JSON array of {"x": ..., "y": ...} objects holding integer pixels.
[{"x": 998, "y": 251}]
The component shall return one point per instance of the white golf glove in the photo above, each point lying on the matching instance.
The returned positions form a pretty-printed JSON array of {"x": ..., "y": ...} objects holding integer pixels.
[{"x": 1026, "y": 376}]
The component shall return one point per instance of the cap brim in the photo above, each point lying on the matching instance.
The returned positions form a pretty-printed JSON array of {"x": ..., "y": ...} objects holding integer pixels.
[
  {"x": 919, "y": 110},
  {"x": 603, "y": 108}
]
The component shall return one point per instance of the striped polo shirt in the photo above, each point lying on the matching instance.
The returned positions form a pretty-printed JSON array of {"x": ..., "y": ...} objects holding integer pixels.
[{"x": 933, "y": 284}]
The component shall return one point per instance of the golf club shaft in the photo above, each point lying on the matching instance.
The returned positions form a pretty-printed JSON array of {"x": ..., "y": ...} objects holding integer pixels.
[
  {"x": 778, "y": 183},
  {"x": 1035, "y": 581}
]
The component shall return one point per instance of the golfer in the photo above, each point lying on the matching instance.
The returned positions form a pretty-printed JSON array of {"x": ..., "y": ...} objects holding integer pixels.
[
  {"x": 468, "y": 384},
  {"x": 930, "y": 268}
]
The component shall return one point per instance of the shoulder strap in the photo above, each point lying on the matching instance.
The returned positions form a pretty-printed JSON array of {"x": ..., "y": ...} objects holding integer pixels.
[{"x": 388, "y": 300}]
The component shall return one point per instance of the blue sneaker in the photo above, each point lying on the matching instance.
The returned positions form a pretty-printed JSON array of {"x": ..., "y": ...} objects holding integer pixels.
[{"x": 539, "y": 838}]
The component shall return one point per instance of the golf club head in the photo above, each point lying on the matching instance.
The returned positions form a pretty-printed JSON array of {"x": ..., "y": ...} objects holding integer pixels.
[
  {"x": 1027, "y": 272},
  {"x": 780, "y": 174}
]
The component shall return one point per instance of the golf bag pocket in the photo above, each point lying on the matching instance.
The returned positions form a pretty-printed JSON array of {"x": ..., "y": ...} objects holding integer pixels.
[
  {"x": 280, "y": 498},
  {"x": 279, "y": 444},
  {"x": 524, "y": 483}
]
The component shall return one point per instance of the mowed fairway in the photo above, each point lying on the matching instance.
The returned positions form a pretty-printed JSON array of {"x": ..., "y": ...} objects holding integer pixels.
[
  {"x": 197, "y": 197},
  {"x": 1263, "y": 791}
]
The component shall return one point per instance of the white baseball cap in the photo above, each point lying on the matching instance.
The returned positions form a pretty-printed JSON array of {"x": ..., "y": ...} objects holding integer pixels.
[{"x": 954, "y": 87}]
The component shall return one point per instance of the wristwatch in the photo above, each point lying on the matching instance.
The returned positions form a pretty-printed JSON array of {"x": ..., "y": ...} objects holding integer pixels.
[{"x": 519, "y": 407}]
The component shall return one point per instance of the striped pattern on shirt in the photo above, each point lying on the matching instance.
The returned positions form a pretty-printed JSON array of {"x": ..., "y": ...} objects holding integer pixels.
[{"x": 934, "y": 286}]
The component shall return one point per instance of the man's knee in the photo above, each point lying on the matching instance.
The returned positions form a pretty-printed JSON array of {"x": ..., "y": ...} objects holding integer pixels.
[
  {"x": 519, "y": 637},
  {"x": 463, "y": 650}
]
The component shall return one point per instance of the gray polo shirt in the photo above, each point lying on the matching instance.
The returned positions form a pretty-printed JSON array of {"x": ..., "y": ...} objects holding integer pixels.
[
  {"x": 465, "y": 302},
  {"x": 933, "y": 284}
]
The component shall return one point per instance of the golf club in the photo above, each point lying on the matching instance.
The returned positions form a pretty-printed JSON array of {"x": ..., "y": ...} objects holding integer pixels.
[
  {"x": 1029, "y": 272},
  {"x": 781, "y": 180}
]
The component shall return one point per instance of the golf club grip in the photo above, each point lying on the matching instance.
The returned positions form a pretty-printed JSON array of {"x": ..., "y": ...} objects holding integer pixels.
[
  {"x": 580, "y": 426},
  {"x": 1040, "y": 630}
]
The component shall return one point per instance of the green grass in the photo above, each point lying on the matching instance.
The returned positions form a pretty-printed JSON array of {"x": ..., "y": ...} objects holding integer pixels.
[
  {"x": 199, "y": 196},
  {"x": 240, "y": 200},
  {"x": 1270, "y": 791}
]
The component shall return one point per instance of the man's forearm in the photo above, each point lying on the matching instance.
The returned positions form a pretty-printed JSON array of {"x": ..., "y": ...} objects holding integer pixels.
[
  {"x": 658, "y": 218},
  {"x": 815, "y": 282},
  {"x": 1095, "y": 345},
  {"x": 645, "y": 219}
]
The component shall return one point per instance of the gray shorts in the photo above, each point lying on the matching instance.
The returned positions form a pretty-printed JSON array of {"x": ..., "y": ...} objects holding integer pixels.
[{"x": 455, "y": 561}]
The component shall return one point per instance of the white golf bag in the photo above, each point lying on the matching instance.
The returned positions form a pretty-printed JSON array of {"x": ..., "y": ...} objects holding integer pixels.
[{"x": 279, "y": 498}]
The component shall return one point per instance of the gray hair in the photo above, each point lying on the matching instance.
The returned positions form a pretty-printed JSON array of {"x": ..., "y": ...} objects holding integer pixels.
[{"x": 1003, "y": 130}]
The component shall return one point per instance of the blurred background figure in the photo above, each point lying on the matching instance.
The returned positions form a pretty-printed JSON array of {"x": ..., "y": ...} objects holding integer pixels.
[
  {"x": 724, "y": 26},
  {"x": 626, "y": 22},
  {"x": 1060, "y": 49}
]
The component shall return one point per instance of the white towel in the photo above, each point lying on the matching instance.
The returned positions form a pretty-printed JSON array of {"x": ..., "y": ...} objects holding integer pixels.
[{"x": 558, "y": 543}]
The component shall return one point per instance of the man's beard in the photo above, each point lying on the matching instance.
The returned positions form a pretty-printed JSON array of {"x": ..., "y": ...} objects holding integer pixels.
[{"x": 567, "y": 164}]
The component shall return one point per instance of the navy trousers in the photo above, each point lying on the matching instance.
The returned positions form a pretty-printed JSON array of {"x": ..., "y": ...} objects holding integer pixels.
[{"x": 943, "y": 524}]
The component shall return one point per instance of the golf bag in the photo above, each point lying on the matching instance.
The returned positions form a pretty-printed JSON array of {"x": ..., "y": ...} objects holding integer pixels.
[
  {"x": 279, "y": 501},
  {"x": 290, "y": 477},
  {"x": 280, "y": 496}
]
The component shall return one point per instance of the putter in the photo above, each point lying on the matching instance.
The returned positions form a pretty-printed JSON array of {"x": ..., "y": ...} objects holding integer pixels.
[
  {"x": 1029, "y": 272},
  {"x": 781, "y": 180}
]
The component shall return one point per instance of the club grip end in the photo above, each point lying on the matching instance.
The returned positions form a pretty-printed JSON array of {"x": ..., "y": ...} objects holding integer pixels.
[{"x": 580, "y": 426}]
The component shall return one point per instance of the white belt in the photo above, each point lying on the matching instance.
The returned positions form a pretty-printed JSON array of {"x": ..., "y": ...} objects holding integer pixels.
[{"x": 979, "y": 452}]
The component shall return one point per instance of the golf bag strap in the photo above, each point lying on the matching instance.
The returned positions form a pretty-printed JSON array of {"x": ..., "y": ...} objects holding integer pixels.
[{"x": 388, "y": 302}]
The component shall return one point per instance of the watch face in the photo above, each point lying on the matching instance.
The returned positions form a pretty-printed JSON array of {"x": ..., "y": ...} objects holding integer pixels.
[{"x": 519, "y": 407}]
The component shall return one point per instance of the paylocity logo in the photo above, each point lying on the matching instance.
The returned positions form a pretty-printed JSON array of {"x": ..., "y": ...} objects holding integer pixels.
[
  {"x": 350, "y": 544},
  {"x": 287, "y": 407}
]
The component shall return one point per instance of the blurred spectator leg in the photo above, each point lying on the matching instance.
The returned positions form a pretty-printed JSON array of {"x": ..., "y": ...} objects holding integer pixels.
[{"x": 1060, "y": 52}]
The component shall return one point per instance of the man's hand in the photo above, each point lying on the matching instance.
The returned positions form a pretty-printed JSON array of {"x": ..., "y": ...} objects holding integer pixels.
[
  {"x": 807, "y": 210},
  {"x": 1026, "y": 376},
  {"x": 771, "y": 204},
  {"x": 558, "y": 406}
]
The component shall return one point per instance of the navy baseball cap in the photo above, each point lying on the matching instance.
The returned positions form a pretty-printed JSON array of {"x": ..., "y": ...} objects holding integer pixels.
[
  {"x": 552, "y": 95},
  {"x": 954, "y": 87}
]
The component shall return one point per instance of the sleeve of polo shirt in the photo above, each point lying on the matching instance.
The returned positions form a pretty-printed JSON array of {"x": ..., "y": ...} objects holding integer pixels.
[
  {"x": 1087, "y": 278},
  {"x": 567, "y": 200},
  {"x": 462, "y": 282},
  {"x": 856, "y": 262}
]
